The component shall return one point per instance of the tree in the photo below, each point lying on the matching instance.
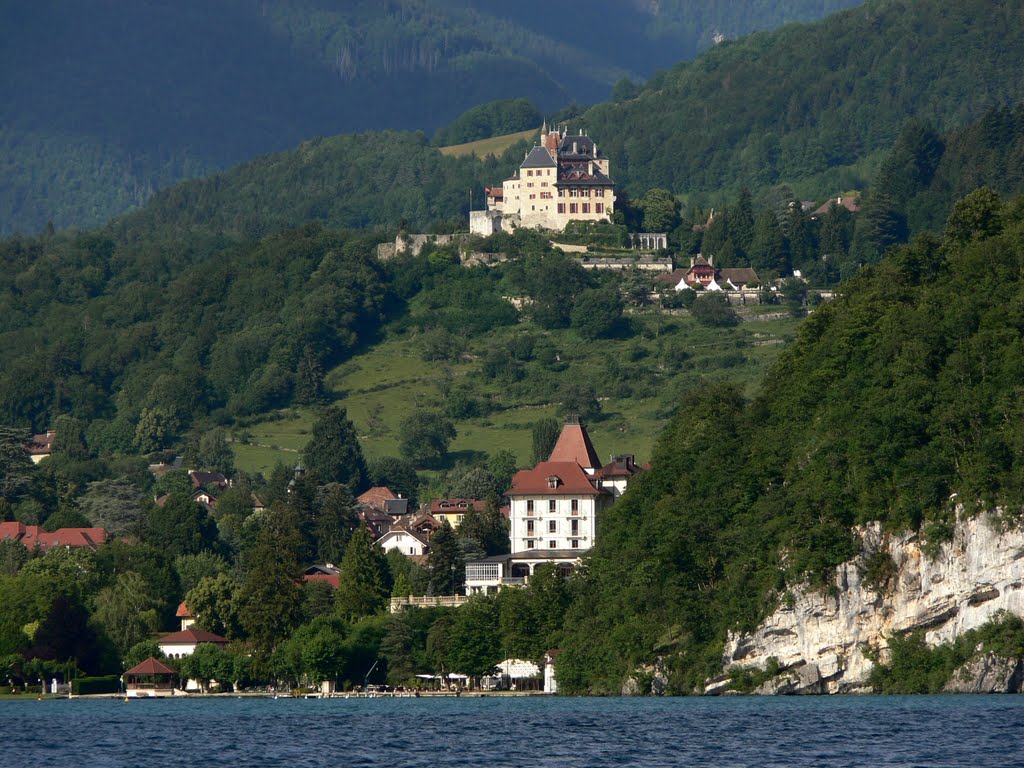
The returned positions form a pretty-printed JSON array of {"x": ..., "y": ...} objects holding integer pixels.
[
  {"x": 13, "y": 555},
  {"x": 212, "y": 601},
  {"x": 180, "y": 526},
  {"x": 545, "y": 434},
  {"x": 426, "y": 436},
  {"x": 363, "y": 583},
  {"x": 155, "y": 429},
  {"x": 208, "y": 662},
  {"x": 578, "y": 398},
  {"x": 768, "y": 252},
  {"x": 553, "y": 281},
  {"x": 215, "y": 453},
  {"x": 126, "y": 611},
  {"x": 502, "y": 464},
  {"x": 194, "y": 568},
  {"x": 447, "y": 568},
  {"x": 741, "y": 221},
  {"x": 336, "y": 519},
  {"x": 141, "y": 651},
  {"x": 309, "y": 379},
  {"x": 597, "y": 313},
  {"x": 398, "y": 646},
  {"x": 15, "y": 464},
  {"x": 975, "y": 217},
  {"x": 475, "y": 483},
  {"x": 474, "y": 642},
  {"x": 487, "y": 529},
  {"x": 660, "y": 209},
  {"x": 399, "y": 475},
  {"x": 115, "y": 505},
  {"x": 332, "y": 454},
  {"x": 714, "y": 311}
]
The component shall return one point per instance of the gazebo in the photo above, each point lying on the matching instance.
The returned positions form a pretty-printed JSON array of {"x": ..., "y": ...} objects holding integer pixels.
[{"x": 151, "y": 678}]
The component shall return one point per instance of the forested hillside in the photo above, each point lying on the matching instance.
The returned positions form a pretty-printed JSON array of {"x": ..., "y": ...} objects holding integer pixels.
[
  {"x": 101, "y": 104},
  {"x": 903, "y": 392},
  {"x": 814, "y": 106}
]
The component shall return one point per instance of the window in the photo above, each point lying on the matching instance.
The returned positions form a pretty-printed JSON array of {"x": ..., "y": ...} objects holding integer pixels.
[
  {"x": 412, "y": 550},
  {"x": 552, "y": 505},
  {"x": 552, "y": 526},
  {"x": 529, "y": 543},
  {"x": 552, "y": 544},
  {"x": 598, "y": 207},
  {"x": 586, "y": 207},
  {"x": 573, "y": 208},
  {"x": 561, "y": 207},
  {"x": 561, "y": 193},
  {"x": 529, "y": 183},
  {"x": 598, "y": 193},
  {"x": 575, "y": 526},
  {"x": 529, "y": 506},
  {"x": 458, "y": 518},
  {"x": 529, "y": 173},
  {"x": 543, "y": 183},
  {"x": 533, "y": 196},
  {"x": 574, "y": 192},
  {"x": 575, "y": 505},
  {"x": 575, "y": 543},
  {"x": 529, "y": 527}
]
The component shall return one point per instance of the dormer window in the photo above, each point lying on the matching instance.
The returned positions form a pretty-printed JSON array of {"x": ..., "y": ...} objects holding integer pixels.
[{"x": 553, "y": 482}]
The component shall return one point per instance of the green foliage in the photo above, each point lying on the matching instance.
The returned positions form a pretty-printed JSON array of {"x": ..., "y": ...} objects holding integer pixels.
[
  {"x": 445, "y": 561},
  {"x": 364, "y": 583},
  {"x": 180, "y": 526},
  {"x": 398, "y": 474},
  {"x": 425, "y": 436},
  {"x": 126, "y": 611},
  {"x": 496, "y": 118},
  {"x": 597, "y": 313},
  {"x": 332, "y": 454},
  {"x": 545, "y": 434},
  {"x": 713, "y": 310}
]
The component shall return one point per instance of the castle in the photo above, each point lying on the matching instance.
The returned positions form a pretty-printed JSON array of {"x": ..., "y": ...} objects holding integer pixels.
[{"x": 564, "y": 178}]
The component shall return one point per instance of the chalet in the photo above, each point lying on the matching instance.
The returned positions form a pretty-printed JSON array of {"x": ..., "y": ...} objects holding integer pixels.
[
  {"x": 562, "y": 179},
  {"x": 208, "y": 480},
  {"x": 33, "y": 536},
  {"x": 41, "y": 446},
  {"x": 406, "y": 540},
  {"x": 702, "y": 272},
  {"x": 554, "y": 511}
]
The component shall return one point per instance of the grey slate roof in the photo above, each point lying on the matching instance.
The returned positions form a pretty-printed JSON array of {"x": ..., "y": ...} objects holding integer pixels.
[{"x": 538, "y": 158}]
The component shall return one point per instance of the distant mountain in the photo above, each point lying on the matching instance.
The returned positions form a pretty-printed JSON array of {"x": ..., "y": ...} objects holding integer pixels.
[
  {"x": 817, "y": 106},
  {"x": 101, "y": 104}
]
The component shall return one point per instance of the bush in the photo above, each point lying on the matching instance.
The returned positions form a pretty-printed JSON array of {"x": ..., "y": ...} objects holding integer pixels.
[
  {"x": 714, "y": 311},
  {"x": 84, "y": 686}
]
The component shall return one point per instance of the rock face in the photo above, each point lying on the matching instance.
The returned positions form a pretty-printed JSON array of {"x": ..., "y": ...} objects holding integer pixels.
[
  {"x": 648, "y": 680},
  {"x": 974, "y": 576},
  {"x": 987, "y": 674}
]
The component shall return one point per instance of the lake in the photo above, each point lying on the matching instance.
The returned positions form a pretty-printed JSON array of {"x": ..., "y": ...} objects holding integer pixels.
[{"x": 974, "y": 731}]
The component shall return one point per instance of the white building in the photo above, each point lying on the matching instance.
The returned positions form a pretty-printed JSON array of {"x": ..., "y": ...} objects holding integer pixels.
[
  {"x": 555, "y": 511},
  {"x": 406, "y": 541},
  {"x": 564, "y": 178}
]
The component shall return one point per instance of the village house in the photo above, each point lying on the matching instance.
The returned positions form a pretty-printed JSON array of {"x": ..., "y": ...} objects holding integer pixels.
[
  {"x": 183, "y": 643},
  {"x": 564, "y": 178},
  {"x": 328, "y": 573},
  {"x": 554, "y": 512},
  {"x": 41, "y": 446}
]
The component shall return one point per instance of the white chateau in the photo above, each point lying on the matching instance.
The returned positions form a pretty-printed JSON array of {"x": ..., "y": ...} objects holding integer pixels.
[
  {"x": 564, "y": 178},
  {"x": 555, "y": 510}
]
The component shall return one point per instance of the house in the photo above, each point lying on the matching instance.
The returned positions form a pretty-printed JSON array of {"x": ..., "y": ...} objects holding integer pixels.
[
  {"x": 208, "y": 479},
  {"x": 183, "y": 643},
  {"x": 327, "y": 573},
  {"x": 554, "y": 511},
  {"x": 453, "y": 510},
  {"x": 32, "y": 536},
  {"x": 849, "y": 203},
  {"x": 41, "y": 446},
  {"x": 564, "y": 178},
  {"x": 550, "y": 682},
  {"x": 406, "y": 540},
  {"x": 151, "y": 679},
  {"x": 703, "y": 272}
]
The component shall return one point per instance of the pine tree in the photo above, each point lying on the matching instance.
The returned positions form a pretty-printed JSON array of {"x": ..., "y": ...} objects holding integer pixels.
[
  {"x": 332, "y": 454},
  {"x": 447, "y": 568},
  {"x": 363, "y": 587}
]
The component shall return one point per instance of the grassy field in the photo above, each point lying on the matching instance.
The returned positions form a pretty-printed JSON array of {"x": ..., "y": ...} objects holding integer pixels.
[
  {"x": 493, "y": 146},
  {"x": 380, "y": 386}
]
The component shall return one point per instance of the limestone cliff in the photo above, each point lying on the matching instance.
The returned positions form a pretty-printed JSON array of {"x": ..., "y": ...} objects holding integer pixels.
[{"x": 819, "y": 639}]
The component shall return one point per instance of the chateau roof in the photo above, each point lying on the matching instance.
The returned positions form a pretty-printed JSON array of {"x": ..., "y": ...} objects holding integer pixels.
[
  {"x": 579, "y": 174},
  {"x": 567, "y": 477},
  {"x": 574, "y": 445},
  {"x": 191, "y": 636},
  {"x": 183, "y": 611},
  {"x": 538, "y": 157}
]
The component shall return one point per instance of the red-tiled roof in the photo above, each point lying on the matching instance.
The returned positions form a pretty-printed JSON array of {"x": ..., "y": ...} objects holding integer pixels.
[
  {"x": 33, "y": 535},
  {"x": 191, "y": 636},
  {"x": 574, "y": 445},
  {"x": 328, "y": 578},
  {"x": 620, "y": 466},
  {"x": 376, "y": 496},
  {"x": 207, "y": 478},
  {"x": 568, "y": 478},
  {"x": 183, "y": 611},
  {"x": 42, "y": 445},
  {"x": 151, "y": 667},
  {"x": 848, "y": 203}
]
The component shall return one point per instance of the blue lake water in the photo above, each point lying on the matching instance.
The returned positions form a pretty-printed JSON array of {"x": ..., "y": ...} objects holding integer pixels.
[{"x": 971, "y": 731}]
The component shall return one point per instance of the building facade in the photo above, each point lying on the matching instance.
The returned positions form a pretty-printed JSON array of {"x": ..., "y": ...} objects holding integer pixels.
[{"x": 564, "y": 178}]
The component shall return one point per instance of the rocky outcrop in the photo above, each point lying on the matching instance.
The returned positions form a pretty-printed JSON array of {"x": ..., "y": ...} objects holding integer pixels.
[
  {"x": 647, "y": 680},
  {"x": 978, "y": 574},
  {"x": 987, "y": 674}
]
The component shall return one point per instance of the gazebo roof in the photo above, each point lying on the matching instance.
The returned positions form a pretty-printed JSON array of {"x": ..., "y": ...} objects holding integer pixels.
[{"x": 151, "y": 667}]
